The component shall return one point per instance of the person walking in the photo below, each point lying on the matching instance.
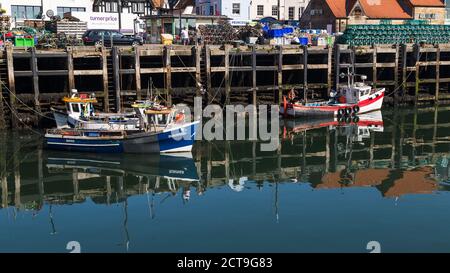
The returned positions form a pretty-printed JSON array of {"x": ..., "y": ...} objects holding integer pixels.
[{"x": 185, "y": 36}]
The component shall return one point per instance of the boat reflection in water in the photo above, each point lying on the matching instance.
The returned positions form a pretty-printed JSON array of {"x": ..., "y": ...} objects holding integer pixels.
[
  {"x": 323, "y": 153},
  {"x": 355, "y": 173},
  {"x": 154, "y": 173}
]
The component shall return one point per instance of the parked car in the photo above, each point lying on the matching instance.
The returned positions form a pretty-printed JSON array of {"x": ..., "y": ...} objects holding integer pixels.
[{"x": 100, "y": 37}]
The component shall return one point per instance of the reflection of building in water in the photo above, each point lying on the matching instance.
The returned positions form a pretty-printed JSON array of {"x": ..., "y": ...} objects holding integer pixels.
[
  {"x": 391, "y": 183},
  {"x": 327, "y": 155}
]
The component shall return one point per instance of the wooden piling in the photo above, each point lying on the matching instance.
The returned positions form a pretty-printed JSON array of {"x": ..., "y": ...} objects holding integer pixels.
[
  {"x": 137, "y": 67},
  {"x": 330, "y": 70},
  {"x": 208, "y": 72},
  {"x": 404, "y": 69},
  {"x": 116, "y": 68},
  {"x": 12, "y": 85},
  {"x": 417, "y": 67},
  {"x": 105, "y": 80},
  {"x": 396, "y": 73},
  {"x": 34, "y": 70},
  {"x": 438, "y": 76},
  {"x": 70, "y": 69},
  {"x": 198, "y": 70},
  {"x": 254, "y": 83},
  {"x": 2, "y": 111},
  {"x": 168, "y": 76},
  {"x": 280, "y": 75},
  {"x": 337, "y": 64},
  {"x": 227, "y": 74},
  {"x": 305, "y": 72},
  {"x": 374, "y": 67}
]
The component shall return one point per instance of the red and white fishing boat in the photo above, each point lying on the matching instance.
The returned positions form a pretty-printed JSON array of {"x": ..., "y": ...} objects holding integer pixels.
[{"x": 355, "y": 98}]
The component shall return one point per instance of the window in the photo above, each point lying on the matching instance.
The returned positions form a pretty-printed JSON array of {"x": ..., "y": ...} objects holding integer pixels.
[
  {"x": 62, "y": 10},
  {"x": 111, "y": 7},
  {"x": 274, "y": 10},
  {"x": 236, "y": 8},
  {"x": 197, "y": 10},
  {"x": 211, "y": 10},
  {"x": 291, "y": 13},
  {"x": 138, "y": 7},
  {"x": 427, "y": 16},
  {"x": 300, "y": 12},
  {"x": 260, "y": 10},
  {"x": 357, "y": 11},
  {"x": 316, "y": 12},
  {"x": 25, "y": 12}
]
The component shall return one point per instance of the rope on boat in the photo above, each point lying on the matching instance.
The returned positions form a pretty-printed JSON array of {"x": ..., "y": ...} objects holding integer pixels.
[
  {"x": 23, "y": 103},
  {"x": 26, "y": 126}
]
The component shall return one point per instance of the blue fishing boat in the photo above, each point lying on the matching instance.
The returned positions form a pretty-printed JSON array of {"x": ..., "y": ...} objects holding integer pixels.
[
  {"x": 161, "y": 131},
  {"x": 172, "y": 140}
]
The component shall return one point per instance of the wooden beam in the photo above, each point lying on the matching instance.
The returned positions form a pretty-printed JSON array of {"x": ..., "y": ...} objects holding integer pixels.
[
  {"x": 70, "y": 69},
  {"x": 337, "y": 60},
  {"x": 168, "y": 70},
  {"x": 374, "y": 67},
  {"x": 396, "y": 73},
  {"x": 305, "y": 72},
  {"x": 116, "y": 68},
  {"x": 198, "y": 71},
  {"x": 34, "y": 70},
  {"x": 254, "y": 84},
  {"x": 2, "y": 112},
  {"x": 12, "y": 85},
  {"x": 330, "y": 70},
  {"x": 105, "y": 80},
  {"x": 227, "y": 74},
  {"x": 208, "y": 72},
  {"x": 137, "y": 66},
  {"x": 438, "y": 76},
  {"x": 280, "y": 75}
]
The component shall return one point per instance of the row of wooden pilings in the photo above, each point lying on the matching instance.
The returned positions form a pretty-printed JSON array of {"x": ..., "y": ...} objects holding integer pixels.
[{"x": 403, "y": 69}]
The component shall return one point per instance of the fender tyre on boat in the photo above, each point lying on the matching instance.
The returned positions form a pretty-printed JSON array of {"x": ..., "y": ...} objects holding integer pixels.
[
  {"x": 348, "y": 111},
  {"x": 348, "y": 120},
  {"x": 356, "y": 109},
  {"x": 355, "y": 119},
  {"x": 341, "y": 112}
]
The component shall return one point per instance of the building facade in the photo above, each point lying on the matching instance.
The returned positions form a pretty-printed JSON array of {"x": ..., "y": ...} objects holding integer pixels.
[
  {"x": 237, "y": 10},
  {"x": 42, "y": 10},
  {"x": 283, "y": 10},
  {"x": 241, "y": 11},
  {"x": 335, "y": 15}
]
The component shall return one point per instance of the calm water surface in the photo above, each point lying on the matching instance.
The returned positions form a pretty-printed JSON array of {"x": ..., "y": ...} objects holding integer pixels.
[{"x": 327, "y": 189}]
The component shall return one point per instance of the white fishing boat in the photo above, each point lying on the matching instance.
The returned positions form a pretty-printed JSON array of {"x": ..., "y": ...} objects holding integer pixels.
[{"x": 79, "y": 112}]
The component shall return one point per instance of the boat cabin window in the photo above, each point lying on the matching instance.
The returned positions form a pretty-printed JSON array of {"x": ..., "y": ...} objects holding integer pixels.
[
  {"x": 159, "y": 119},
  {"x": 75, "y": 108}
]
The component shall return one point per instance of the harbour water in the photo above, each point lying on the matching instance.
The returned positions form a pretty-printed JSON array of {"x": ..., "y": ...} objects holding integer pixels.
[{"x": 326, "y": 189}]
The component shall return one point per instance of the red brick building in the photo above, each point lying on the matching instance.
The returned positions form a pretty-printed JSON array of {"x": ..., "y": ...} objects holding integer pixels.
[{"x": 335, "y": 15}]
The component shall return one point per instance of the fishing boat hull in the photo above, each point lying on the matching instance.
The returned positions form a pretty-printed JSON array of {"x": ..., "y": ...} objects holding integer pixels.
[
  {"x": 61, "y": 119},
  {"x": 174, "y": 140},
  {"x": 374, "y": 103}
]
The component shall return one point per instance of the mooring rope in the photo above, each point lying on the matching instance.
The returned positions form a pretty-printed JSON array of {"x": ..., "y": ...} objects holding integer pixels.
[
  {"x": 26, "y": 126},
  {"x": 23, "y": 103}
]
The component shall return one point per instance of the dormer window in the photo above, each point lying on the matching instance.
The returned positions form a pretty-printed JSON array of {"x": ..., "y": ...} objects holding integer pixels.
[{"x": 357, "y": 11}]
